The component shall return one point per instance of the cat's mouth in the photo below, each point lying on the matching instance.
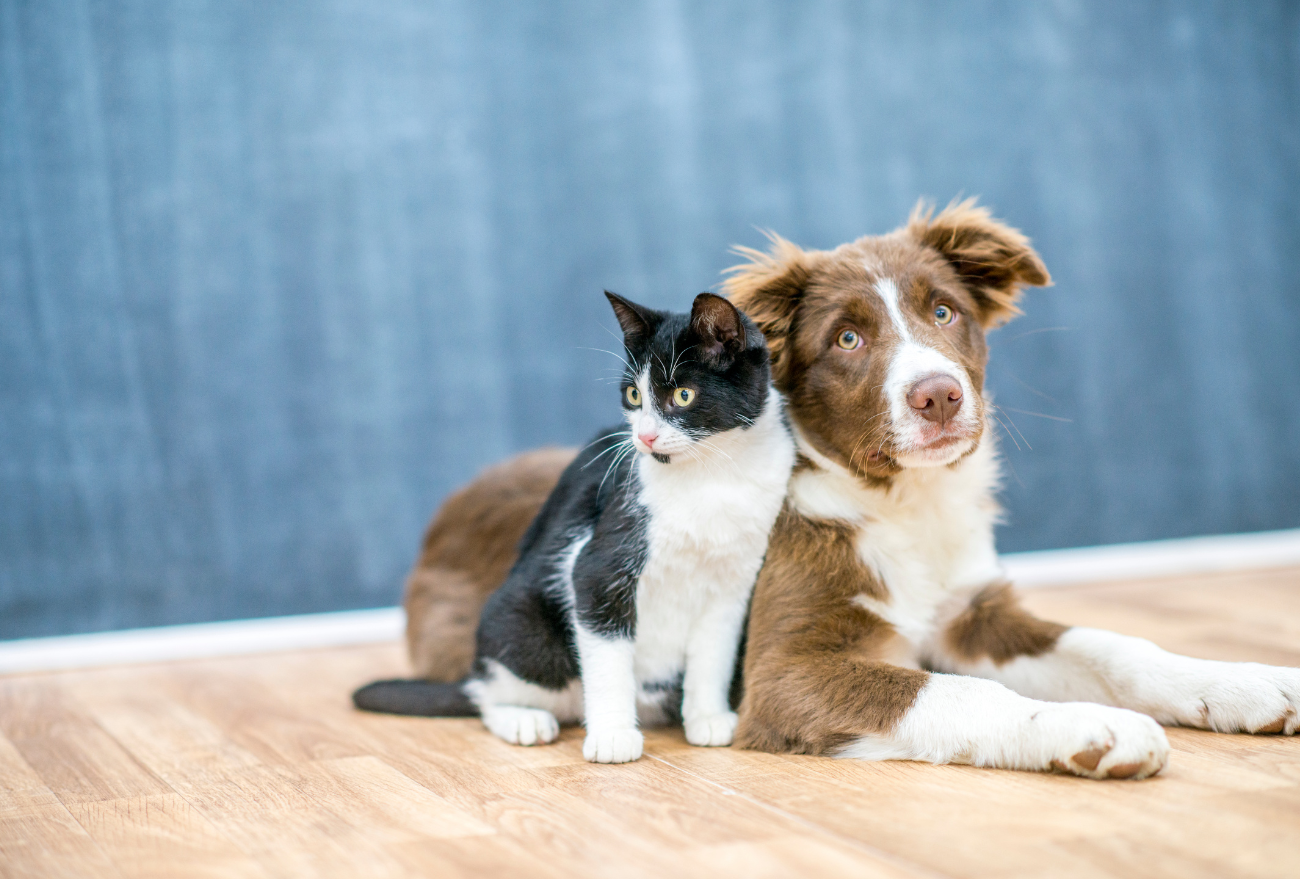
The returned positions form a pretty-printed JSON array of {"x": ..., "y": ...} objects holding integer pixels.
[{"x": 662, "y": 459}]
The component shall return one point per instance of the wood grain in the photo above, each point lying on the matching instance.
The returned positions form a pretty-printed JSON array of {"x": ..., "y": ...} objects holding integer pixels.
[{"x": 258, "y": 767}]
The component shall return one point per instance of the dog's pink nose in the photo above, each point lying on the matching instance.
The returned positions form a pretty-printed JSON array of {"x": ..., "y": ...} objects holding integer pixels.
[
  {"x": 936, "y": 398},
  {"x": 648, "y": 437}
]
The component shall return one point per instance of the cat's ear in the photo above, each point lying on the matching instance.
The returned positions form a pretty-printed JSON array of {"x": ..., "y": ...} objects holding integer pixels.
[
  {"x": 994, "y": 261},
  {"x": 769, "y": 288},
  {"x": 719, "y": 327},
  {"x": 636, "y": 321}
]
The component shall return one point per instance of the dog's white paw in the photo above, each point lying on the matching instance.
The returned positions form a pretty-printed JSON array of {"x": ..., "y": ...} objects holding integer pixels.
[
  {"x": 618, "y": 745},
  {"x": 711, "y": 730},
  {"x": 521, "y": 726},
  {"x": 1237, "y": 697},
  {"x": 1096, "y": 741}
]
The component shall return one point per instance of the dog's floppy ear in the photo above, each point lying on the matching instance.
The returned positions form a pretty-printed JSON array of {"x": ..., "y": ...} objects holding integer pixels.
[
  {"x": 769, "y": 288},
  {"x": 994, "y": 261}
]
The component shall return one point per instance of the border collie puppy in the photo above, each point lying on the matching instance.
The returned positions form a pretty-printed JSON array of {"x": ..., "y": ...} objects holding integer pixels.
[
  {"x": 883, "y": 626},
  {"x": 629, "y": 596}
]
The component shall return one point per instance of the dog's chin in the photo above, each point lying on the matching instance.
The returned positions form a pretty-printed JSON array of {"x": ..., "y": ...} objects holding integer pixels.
[{"x": 941, "y": 451}]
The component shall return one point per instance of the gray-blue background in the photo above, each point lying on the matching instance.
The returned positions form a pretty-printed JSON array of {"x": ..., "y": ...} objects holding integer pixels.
[{"x": 274, "y": 277}]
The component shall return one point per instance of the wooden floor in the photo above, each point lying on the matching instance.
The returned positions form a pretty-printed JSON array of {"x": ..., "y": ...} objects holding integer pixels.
[{"x": 258, "y": 766}]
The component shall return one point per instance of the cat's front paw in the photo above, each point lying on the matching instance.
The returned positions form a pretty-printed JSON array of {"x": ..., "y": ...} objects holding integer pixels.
[
  {"x": 711, "y": 730},
  {"x": 620, "y": 745},
  {"x": 521, "y": 726}
]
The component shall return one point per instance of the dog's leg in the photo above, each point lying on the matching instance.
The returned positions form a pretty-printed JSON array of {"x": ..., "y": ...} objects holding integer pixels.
[
  {"x": 994, "y": 637},
  {"x": 959, "y": 719},
  {"x": 842, "y": 706}
]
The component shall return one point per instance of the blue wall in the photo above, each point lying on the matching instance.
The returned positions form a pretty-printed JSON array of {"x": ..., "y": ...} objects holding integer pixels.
[{"x": 274, "y": 277}]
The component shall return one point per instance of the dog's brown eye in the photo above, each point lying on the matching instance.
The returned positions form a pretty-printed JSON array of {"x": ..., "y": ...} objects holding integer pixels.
[
  {"x": 848, "y": 340},
  {"x": 943, "y": 315}
]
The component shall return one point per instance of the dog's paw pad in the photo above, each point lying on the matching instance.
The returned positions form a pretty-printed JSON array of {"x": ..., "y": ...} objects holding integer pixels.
[
  {"x": 1089, "y": 758},
  {"x": 1124, "y": 770},
  {"x": 1276, "y": 726}
]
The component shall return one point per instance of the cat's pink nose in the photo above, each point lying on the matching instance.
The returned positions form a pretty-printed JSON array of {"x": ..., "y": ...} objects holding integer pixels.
[{"x": 648, "y": 437}]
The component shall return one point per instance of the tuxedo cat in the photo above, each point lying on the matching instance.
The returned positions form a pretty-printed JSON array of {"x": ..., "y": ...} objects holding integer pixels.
[{"x": 629, "y": 597}]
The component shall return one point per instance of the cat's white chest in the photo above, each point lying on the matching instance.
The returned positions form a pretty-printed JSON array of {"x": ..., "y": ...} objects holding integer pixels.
[{"x": 706, "y": 537}]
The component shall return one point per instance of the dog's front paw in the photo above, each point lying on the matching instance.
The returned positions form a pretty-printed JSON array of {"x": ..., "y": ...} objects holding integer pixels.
[
  {"x": 1243, "y": 697},
  {"x": 618, "y": 745},
  {"x": 711, "y": 730},
  {"x": 1100, "y": 742}
]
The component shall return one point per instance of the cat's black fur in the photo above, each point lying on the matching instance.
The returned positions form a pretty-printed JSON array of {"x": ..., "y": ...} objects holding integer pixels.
[{"x": 527, "y": 626}]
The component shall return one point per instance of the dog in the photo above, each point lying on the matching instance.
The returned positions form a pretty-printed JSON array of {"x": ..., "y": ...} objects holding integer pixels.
[{"x": 882, "y": 624}]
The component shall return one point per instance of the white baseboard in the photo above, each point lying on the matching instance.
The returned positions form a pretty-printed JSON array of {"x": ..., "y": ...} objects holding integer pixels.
[
  {"x": 1156, "y": 558},
  {"x": 1057, "y": 567},
  {"x": 202, "y": 640}
]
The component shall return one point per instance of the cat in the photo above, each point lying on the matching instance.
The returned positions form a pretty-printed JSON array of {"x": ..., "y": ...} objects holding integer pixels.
[{"x": 629, "y": 598}]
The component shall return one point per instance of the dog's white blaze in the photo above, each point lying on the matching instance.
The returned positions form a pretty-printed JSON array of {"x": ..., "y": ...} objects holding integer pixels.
[
  {"x": 887, "y": 290},
  {"x": 909, "y": 362}
]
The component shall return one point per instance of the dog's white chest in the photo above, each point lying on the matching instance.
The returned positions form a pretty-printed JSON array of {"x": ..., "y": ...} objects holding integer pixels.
[{"x": 929, "y": 541}]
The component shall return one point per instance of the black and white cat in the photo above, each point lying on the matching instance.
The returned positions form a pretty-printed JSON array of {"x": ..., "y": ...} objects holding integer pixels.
[{"x": 628, "y": 600}]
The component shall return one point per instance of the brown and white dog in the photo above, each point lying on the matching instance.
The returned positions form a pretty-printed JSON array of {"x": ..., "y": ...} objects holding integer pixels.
[{"x": 882, "y": 625}]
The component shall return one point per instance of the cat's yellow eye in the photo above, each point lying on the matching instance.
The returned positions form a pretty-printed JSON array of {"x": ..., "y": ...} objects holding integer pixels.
[
  {"x": 848, "y": 340},
  {"x": 633, "y": 395},
  {"x": 943, "y": 315},
  {"x": 683, "y": 397}
]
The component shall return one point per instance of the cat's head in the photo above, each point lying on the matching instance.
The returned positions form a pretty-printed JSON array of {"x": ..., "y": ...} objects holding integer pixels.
[{"x": 690, "y": 376}]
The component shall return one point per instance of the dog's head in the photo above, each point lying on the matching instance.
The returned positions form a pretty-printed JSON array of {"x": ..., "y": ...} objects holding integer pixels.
[{"x": 879, "y": 345}]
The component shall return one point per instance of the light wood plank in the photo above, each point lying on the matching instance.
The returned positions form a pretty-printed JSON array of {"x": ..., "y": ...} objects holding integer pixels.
[
  {"x": 75, "y": 758},
  {"x": 162, "y": 837},
  {"x": 46, "y": 842}
]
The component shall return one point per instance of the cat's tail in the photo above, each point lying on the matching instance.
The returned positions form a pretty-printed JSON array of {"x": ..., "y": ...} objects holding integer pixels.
[{"x": 418, "y": 697}]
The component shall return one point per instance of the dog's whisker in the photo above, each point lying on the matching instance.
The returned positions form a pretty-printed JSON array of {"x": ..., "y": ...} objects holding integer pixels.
[
  {"x": 1036, "y": 414},
  {"x": 1013, "y": 424}
]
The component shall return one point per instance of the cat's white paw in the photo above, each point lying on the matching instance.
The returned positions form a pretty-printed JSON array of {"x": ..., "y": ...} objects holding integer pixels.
[
  {"x": 1237, "y": 697},
  {"x": 711, "y": 730},
  {"x": 618, "y": 745},
  {"x": 521, "y": 726},
  {"x": 1096, "y": 741}
]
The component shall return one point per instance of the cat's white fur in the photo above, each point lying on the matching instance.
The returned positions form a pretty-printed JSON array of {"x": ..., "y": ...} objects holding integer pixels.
[{"x": 710, "y": 511}]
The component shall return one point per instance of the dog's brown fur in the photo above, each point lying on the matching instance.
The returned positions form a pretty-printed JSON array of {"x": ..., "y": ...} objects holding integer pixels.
[
  {"x": 994, "y": 625},
  {"x": 469, "y": 548},
  {"x": 824, "y": 673}
]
